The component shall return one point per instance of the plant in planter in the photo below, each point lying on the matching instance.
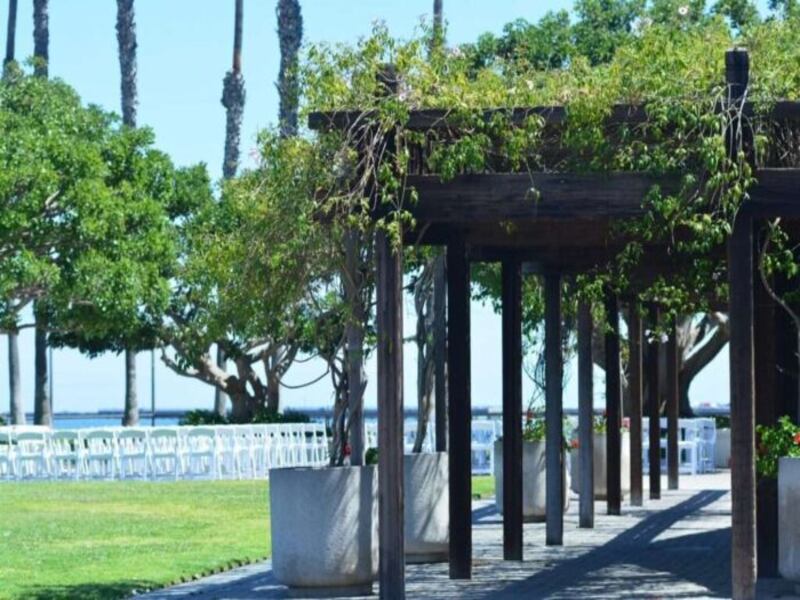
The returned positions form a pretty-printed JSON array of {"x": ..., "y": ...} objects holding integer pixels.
[
  {"x": 778, "y": 456},
  {"x": 600, "y": 428},
  {"x": 534, "y": 490}
]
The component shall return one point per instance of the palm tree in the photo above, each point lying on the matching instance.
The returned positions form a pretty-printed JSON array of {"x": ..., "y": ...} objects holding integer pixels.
[
  {"x": 290, "y": 36},
  {"x": 42, "y": 409},
  {"x": 41, "y": 37},
  {"x": 11, "y": 32},
  {"x": 14, "y": 388},
  {"x": 126, "y": 41},
  {"x": 233, "y": 97}
]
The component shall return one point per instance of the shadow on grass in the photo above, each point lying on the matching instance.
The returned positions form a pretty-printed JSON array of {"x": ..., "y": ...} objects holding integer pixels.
[{"x": 89, "y": 591}]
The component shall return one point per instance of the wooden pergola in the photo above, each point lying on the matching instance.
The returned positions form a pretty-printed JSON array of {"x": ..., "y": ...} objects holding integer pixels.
[{"x": 568, "y": 230}]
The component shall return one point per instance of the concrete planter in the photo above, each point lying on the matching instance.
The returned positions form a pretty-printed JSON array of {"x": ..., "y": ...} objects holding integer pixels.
[
  {"x": 534, "y": 485},
  {"x": 427, "y": 507},
  {"x": 600, "y": 466},
  {"x": 722, "y": 449},
  {"x": 789, "y": 518},
  {"x": 325, "y": 529}
]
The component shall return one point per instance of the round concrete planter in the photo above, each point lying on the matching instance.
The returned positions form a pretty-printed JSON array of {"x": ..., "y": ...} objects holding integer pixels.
[
  {"x": 600, "y": 466},
  {"x": 789, "y": 518},
  {"x": 427, "y": 507},
  {"x": 534, "y": 483},
  {"x": 324, "y": 529},
  {"x": 722, "y": 449}
]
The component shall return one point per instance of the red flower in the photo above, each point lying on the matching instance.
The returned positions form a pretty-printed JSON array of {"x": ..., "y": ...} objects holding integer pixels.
[
  {"x": 574, "y": 443},
  {"x": 529, "y": 415},
  {"x": 797, "y": 438},
  {"x": 347, "y": 450}
]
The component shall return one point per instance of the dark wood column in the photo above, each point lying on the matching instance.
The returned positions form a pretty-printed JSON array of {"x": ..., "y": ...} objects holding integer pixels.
[
  {"x": 585, "y": 415},
  {"x": 672, "y": 401},
  {"x": 440, "y": 351},
  {"x": 459, "y": 410},
  {"x": 512, "y": 410},
  {"x": 613, "y": 407},
  {"x": 740, "y": 280},
  {"x": 635, "y": 389},
  {"x": 766, "y": 373},
  {"x": 653, "y": 406},
  {"x": 389, "y": 319},
  {"x": 554, "y": 460}
]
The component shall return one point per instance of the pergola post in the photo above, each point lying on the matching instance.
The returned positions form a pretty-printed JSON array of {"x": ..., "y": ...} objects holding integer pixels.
[
  {"x": 766, "y": 400},
  {"x": 440, "y": 351},
  {"x": 512, "y": 409},
  {"x": 653, "y": 405},
  {"x": 635, "y": 390},
  {"x": 389, "y": 295},
  {"x": 672, "y": 402},
  {"x": 585, "y": 415},
  {"x": 613, "y": 407},
  {"x": 740, "y": 280},
  {"x": 554, "y": 443},
  {"x": 459, "y": 409}
]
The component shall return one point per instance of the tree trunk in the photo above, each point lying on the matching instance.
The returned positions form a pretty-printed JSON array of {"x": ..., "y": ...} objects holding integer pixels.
[
  {"x": 220, "y": 397},
  {"x": 16, "y": 408},
  {"x": 354, "y": 350},
  {"x": 41, "y": 38},
  {"x": 290, "y": 36},
  {"x": 126, "y": 40},
  {"x": 423, "y": 305},
  {"x": 440, "y": 350},
  {"x": 131, "y": 416},
  {"x": 273, "y": 392},
  {"x": 11, "y": 32},
  {"x": 43, "y": 414}
]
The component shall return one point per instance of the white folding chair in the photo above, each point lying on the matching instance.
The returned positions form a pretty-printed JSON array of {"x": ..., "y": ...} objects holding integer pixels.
[
  {"x": 99, "y": 453},
  {"x": 31, "y": 455},
  {"x": 707, "y": 444},
  {"x": 227, "y": 451},
  {"x": 66, "y": 455},
  {"x": 243, "y": 444},
  {"x": 7, "y": 459},
  {"x": 200, "y": 453},
  {"x": 132, "y": 458},
  {"x": 483, "y": 438},
  {"x": 164, "y": 453}
]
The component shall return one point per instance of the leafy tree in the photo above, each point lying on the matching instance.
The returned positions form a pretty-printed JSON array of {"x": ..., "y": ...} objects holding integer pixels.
[{"x": 603, "y": 26}]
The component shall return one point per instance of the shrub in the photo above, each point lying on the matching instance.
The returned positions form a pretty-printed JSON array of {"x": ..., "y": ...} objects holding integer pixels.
[
  {"x": 203, "y": 417},
  {"x": 287, "y": 416},
  {"x": 775, "y": 442},
  {"x": 2, "y": 421}
]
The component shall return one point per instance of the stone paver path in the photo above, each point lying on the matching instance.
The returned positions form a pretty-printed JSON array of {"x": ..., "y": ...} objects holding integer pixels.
[{"x": 676, "y": 547}]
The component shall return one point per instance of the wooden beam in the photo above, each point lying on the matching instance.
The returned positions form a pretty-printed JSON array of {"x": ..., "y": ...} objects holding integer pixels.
[
  {"x": 512, "y": 196},
  {"x": 389, "y": 294},
  {"x": 554, "y": 451},
  {"x": 459, "y": 410},
  {"x": 673, "y": 405},
  {"x": 653, "y": 405},
  {"x": 613, "y": 407},
  {"x": 440, "y": 350},
  {"x": 635, "y": 388},
  {"x": 512, "y": 409},
  {"x": 586, "y": 415}
]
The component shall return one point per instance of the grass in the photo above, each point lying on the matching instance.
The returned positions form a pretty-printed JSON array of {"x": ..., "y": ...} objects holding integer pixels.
[
  {"x": 98, "y": 540},
  {"x": 106, "y": 539}
]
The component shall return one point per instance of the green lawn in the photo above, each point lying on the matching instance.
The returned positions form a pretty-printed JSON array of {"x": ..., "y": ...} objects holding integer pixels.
[
  {"x": 93, "y": 540},
  {"x": 105, "y": 539}
]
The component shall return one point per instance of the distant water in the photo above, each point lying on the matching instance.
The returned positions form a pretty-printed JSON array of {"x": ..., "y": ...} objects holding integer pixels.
[{"x": 110, "y": 421}]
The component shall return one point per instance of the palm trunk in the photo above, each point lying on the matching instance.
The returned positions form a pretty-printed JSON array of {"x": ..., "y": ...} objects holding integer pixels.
[
  {"x": 16, "y": 408},
  {"x": 290, "y": 35},
  {"x": 41, "y": 38},
  {"x": 131, "y": 416},
  {"x": 11, "y": 32},
  {"x": 438, "y": 24},
  {"x": 42, "y": 411}
]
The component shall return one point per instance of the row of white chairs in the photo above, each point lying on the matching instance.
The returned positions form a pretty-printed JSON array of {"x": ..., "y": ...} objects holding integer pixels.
[
  {"x": 696, "y": 442},
  {"x": 213, "y": 452}
]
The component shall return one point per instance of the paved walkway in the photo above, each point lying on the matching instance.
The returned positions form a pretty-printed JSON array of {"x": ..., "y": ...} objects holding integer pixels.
[{"x": 677, "y": 547}]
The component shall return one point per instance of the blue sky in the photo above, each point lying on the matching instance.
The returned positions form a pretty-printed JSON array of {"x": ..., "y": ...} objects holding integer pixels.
[{"x": 184, "y": 49}]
